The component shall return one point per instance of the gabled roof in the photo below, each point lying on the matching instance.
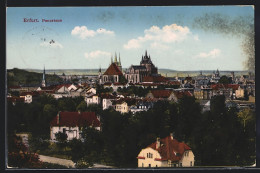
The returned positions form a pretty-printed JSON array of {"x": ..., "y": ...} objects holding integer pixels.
[
  {"x": 170, "y": 149},
  {"x": 73, "y": 119},
  {"x": 113, "y": 70},
  {"x": 161, "y": 93}
]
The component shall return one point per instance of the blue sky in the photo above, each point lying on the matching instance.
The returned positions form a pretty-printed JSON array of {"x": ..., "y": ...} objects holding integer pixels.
[{"x": 87, "y": 36}]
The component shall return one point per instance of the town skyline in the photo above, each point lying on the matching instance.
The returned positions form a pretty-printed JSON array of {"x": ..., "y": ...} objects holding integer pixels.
[{"x": 174, "y": 37}]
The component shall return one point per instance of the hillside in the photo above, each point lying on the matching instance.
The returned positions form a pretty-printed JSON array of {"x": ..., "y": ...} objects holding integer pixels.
[{"x": 22, "y": 77}]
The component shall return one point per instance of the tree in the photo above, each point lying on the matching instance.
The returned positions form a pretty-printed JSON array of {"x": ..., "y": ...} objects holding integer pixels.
[
  {"x": 82, "y": 106},
  {"x": 225, "y": 80},
  {"x": 245, "y": 115}
]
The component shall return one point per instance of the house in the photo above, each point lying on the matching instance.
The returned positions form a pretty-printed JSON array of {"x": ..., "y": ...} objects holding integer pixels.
[
  {"x": 203, "y": 93},
  {"x": 72, "y": 124},
  {"x": 166, "y": 152},
  {"x": 240, "y": 92},
  {"x": 123, "y": 105},
  {"x": 162, "y": 95},
  {"x": 107, "y": 101},
  {"x": 95, "y": 99},
  {"x": 141, "y": 106},
  {"x": 28, "y": 96}
]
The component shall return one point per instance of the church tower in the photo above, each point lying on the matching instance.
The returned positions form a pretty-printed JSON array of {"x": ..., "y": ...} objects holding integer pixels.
[
  {"x": 99, "y": 75},
  {"x": 43, "y": 78}
]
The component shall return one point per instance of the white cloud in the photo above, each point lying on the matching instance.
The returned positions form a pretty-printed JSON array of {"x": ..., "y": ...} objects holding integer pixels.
[
  {"x": 96, "y": 54},
  {"x": 83, "y": 32},
  {"x": 160, "y": 36},
  {"x": 54, "y": 44},
  {"x": 160, "y": 46},
  {"x": 212, "y": 54}
]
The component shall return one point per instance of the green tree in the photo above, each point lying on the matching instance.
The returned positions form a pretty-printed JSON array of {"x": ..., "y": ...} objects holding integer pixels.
[{"x": 225, "y": 80}]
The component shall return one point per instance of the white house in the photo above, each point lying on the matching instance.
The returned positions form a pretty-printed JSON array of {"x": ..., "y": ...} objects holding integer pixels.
[
  {"x": 72, "y": 123},
  {"x": 166, "y": 152},
  {"x": 95, "y": 99},
  {"x": 107, "y": 101}
]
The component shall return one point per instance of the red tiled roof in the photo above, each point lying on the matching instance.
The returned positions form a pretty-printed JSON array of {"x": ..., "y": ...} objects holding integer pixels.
[
  {"x": 180, "y": 94},
  {"x": 113, "y": 70},
  {"x": 161, "y": 93},
  {"x": 155, "y": 79},
  {"x": 140, "y": 157},
  {"x": 170, "y": 149},
  {"x": 72, "y": 119}
]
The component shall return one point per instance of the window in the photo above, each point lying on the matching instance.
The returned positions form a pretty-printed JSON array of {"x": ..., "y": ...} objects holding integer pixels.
[
  {"x": 142, "y": 164},
  {"x": 180, "y": 164},
  {"x": 149, "y": 165},
  {"x": 191, "y": 163}
]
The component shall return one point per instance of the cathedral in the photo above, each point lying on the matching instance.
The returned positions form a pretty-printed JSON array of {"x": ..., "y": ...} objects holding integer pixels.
[{"x": 136, "y": 73}]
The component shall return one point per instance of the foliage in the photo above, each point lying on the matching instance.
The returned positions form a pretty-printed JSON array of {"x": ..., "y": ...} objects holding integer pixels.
[
  {"x": 19, "y": 156},
  {"x": 225, "y": 80}
]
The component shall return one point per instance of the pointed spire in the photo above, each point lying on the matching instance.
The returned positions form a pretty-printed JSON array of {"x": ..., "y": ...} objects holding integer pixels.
[
  {"x": 119, "y": 59},
  {"x": 43, "y": 75},
  {"x": 145, "y": 53},
  {"x": 111, "y": 58},
  {"x": 115, "y": 58}
]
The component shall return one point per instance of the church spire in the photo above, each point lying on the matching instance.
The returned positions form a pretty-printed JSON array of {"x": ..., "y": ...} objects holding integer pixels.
[
  {"x": 119, "y": 60},
  {"x": 145, "y": 53},
  {"x": 111, "y": 58},
  {"x": 43, "y": 78},
  {"x": 115, "y": 58},
  {"x": 43, "y": 75}
]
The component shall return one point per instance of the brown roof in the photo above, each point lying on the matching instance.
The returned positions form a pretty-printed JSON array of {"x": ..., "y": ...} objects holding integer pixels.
[
  {"x": 170, "y": 149},
  {"x": 180, "y": 94},
  {"x": 155, "y": 79},
  {"x": 72, "y": 119},
  {"x": 161, "y": 93},
  {"x": 113, "y": 70},
  {"x": 224, "y": 86}
]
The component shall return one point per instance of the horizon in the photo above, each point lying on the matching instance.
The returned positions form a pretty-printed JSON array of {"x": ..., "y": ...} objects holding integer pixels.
[{"x": 176, "y": 37}]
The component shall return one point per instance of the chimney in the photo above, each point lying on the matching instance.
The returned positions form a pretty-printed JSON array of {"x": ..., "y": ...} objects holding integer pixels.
[
  {"x": 58, "y": 118},
  {"x": 171, "y": 135},
  {"x": 157, "y": 143}
]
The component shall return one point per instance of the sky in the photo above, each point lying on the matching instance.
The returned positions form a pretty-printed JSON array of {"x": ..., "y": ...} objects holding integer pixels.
[{"x": 176, "y": 37}]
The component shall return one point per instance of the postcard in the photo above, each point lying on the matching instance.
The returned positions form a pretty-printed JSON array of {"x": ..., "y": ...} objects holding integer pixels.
[{"x": 140, "y": 87}]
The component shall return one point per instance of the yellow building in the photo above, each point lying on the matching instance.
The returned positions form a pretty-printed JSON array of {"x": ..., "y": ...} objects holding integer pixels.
[{"x": 166, "y": 152}]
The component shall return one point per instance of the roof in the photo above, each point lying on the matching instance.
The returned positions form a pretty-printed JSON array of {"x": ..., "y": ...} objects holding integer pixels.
[
  {"x": 128, "y": 101},
  {"x": 161, "y": 93},
  {"x": 113, "y": 70},
  {"x": 225, "y": 86},
  {"x": 72, "y": 119},
  {"x": 156, "y": 79},
  {"x": 180, "y": 94},
  {"x": 170, "y": 149}
]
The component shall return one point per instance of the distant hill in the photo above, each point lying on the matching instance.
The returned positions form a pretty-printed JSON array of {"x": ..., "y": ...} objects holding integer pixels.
[
  {"x": 164, "y": 72},
  {"x": 21, "y": 77}
]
